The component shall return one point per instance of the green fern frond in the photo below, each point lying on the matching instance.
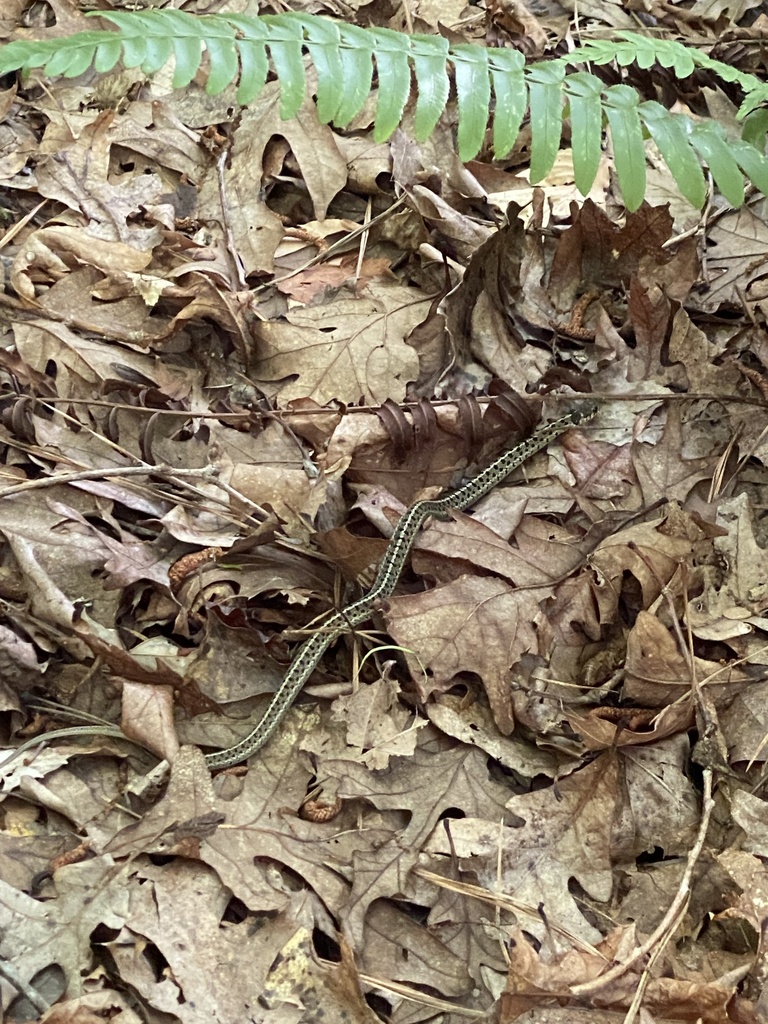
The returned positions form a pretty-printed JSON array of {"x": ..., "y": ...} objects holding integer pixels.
[{"x": 244, "y": 49}]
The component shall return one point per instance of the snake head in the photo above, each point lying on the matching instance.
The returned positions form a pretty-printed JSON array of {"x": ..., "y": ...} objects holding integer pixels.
[{"x": 583, "y": 412}]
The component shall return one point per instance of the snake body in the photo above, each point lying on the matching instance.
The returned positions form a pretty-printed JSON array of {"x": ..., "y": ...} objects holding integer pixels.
[{"x": 309, "y": 653}]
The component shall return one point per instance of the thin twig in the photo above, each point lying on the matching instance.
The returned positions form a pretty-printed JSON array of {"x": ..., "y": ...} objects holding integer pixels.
[
  {"x": 106, "y": 473},
  {"x": 332, "y": 249},
  {"x": 232, "y": 250},
  {"x": 501, "y": 899},
  {"x": 387, "y": 985},
  {"x": 671, "y": 915},
  {"x": 637, "y": 999},
  {"x": 257, "y": 510},
  {"x": 438, "y": 403}
]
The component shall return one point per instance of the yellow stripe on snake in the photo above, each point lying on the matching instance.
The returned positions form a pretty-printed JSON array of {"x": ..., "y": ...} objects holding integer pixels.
[{"x": 310, "y": 652}]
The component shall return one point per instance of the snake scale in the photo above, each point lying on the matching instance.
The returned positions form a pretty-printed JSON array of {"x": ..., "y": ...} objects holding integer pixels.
[{"x": 310, "y": 652}]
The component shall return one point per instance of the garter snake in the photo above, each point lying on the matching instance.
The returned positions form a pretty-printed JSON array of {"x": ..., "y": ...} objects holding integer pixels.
[{"x": 309, "y": 653}]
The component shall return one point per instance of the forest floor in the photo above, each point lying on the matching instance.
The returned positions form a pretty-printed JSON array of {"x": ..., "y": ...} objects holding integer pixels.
[{"x": 234, "y": 350}]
